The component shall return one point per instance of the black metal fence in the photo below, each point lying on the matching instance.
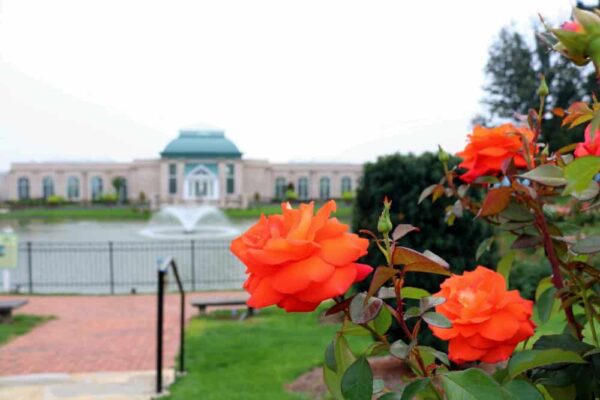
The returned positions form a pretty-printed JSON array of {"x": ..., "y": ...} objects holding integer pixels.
[{"x": 122, "y": 267}]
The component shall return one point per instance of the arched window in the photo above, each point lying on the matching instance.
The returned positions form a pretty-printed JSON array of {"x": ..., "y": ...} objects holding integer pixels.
[
  {"x": 303, "y": 188},
  {"x": 23, "y": 188},
  {"x": 47, "y": 187},
  {"x": 324, "y": 185},
  {"x": 346, "y": 184},
  {"x": 96, "y": 188},
  {"x": 201, "y": 183},
  {"x": 280, "y": 188},
  {"x": 73, "y": 188}
]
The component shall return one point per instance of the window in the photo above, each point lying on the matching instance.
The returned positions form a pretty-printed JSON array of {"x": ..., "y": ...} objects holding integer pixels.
[
  {"x": 172, "y": 178},
  {"x": 23, "y": 188},
  {"x": 303, "y": 188},
  {"x": 73, "y": 188},
  {"x": 96, "y": 188},
  {"x": 47, "y": 187},
  {"x": 280, "y": 188},
  {"x": 324, "y": 188},
  {"x": 230, "y": 178},
  {"x": 346, "y": 184}
]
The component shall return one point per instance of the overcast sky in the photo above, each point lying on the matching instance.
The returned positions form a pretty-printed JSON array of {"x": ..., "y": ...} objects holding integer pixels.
[{"x": 288, "y": 80}]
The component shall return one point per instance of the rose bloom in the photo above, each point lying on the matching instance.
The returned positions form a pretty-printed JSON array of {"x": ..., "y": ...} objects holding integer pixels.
[
  {"x": 572, "y": 26},
  {"x": 589, "y": 147},
  {"x": 297, "y": 259},
  {"x": 488, "y": 148},
  {"x": 488, "y": 321}
]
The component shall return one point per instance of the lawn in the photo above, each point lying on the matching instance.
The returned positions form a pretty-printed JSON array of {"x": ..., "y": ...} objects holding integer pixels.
[
  {"x": 119, "y": 213},
  {"x": 19, "y": 325},
  {"x": 251, "y": 359}
]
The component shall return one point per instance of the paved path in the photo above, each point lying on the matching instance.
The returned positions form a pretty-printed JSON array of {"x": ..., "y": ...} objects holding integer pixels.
[{"x": 94, "y": 333}]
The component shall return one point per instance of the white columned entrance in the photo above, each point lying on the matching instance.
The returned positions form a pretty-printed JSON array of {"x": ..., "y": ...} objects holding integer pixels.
[{"x": 201, "y": 184}]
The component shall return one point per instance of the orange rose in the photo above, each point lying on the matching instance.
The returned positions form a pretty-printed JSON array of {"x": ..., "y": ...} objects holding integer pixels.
[
  {"x": 488, "y": 321},
  {"x": 489, "y": 148},
  {"x": 297, "y": 260}
]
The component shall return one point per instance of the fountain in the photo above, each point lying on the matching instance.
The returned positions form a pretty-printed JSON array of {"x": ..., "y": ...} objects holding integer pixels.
[{"x": 189, "y": 222}]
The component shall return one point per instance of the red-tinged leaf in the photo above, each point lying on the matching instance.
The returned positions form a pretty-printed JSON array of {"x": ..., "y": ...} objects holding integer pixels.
[
  {"x": 495, "y": 201},
  {"x": 402, "y": 230},
  {"x": 559, "y": 112},
  {"x": 526, "y": 242},
  {"x": 438, "y": 191},
  {"x": 336, "y": 308},
  {"x": 426, "y": 193},
  {"x": 380, "y": 277},
  {"x": 417, "y": 262},
  {"x": 428, "y": 268}
]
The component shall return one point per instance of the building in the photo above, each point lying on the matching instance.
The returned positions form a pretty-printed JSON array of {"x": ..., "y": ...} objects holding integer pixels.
[{"x": 200, "y": 165}]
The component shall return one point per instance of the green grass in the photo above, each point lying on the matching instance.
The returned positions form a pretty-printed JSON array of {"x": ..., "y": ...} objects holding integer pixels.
[
  {"x": 62, "y": 213},
  {"x": 19, "y": 325},
  {"x": 252, "y": 359},
  {"x": 344, "y": 212},
  {"x": 119, "y": 213}
]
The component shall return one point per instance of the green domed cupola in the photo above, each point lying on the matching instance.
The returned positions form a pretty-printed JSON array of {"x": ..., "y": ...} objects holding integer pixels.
[{"x": 201, "y": 142}]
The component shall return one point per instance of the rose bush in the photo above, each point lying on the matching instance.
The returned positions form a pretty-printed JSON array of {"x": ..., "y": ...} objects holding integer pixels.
[
  {"x": 488, "y": 321},
  {"x": 296, "y": 260}
]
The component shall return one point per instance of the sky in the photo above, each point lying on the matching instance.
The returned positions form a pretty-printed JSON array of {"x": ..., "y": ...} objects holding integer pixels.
[{"x": 303, "y": 80}]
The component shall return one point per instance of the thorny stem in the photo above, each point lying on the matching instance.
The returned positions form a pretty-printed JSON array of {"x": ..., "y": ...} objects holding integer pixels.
[{"x": 557, "y": 278}]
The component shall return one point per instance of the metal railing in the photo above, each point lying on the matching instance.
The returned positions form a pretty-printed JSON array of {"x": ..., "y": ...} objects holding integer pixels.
[
  {"x": 163, "y": 270},
  {"x": 120, "y": 267}
]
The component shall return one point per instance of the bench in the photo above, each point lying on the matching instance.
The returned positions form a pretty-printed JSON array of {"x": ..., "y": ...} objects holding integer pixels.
[
  {"x": 203, "y": 303},
  {"x": 7, "y": 307}
]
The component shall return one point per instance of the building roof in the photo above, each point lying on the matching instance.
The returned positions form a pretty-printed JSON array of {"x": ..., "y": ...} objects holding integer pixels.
[{"x": 201, "y": 142}]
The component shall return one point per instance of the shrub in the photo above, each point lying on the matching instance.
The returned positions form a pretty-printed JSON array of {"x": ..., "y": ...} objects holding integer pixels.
[
  {"x": 291, "y": 195},
  {"x": 348, "y": 196},
  {"x": 402, "y": 178},
  {"x": 55, "y": 200}
]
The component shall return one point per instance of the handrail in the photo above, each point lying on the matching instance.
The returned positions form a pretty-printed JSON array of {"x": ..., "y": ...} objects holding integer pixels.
[{"x": 162, "y": 272}]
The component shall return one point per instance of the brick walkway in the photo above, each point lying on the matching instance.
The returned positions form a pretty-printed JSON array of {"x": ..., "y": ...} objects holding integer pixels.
[{"x": 94, "y": 333}]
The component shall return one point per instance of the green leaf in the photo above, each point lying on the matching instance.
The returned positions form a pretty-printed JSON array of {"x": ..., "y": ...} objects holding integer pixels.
[
  {"x": 529, "y": 359},
  {"x": 343, "y": 359},
  {"x": 399, "y": 349},
  {"x": 483, "y": 247},
  {"x": 382, "y": 323},
  {"x": 362, "y": 312},
  {"x": 471, "y": 384},
  {"x": 517, "y": 212},
  {"x": 522, "y": 390},
  {"x": 545, "y": 304},
  {"x": 495, "y": 201},
  {"x": 412, "y": 312},
  {"x": 408, "y": 292},
  {"x": 547, "y": 174},
  {"x": 391, "y": 396},
  {"x": 378, "y": 385},
  {"x": 441, "y": 356},
  {"x": 357, "y": 382},
  {"x": 580, "y": 172},
  {"x": 437, "y": 319},
  {"x": 427, "y": 303},
  {"x": 589, "y": 245},
  {"x": 589, "y": 193},
  {"x": 330, "y": 357},
  {"x": 544, "y": 284},
  {"x": 416, "y": 387},
  {"x": 505, "y": 265}
]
